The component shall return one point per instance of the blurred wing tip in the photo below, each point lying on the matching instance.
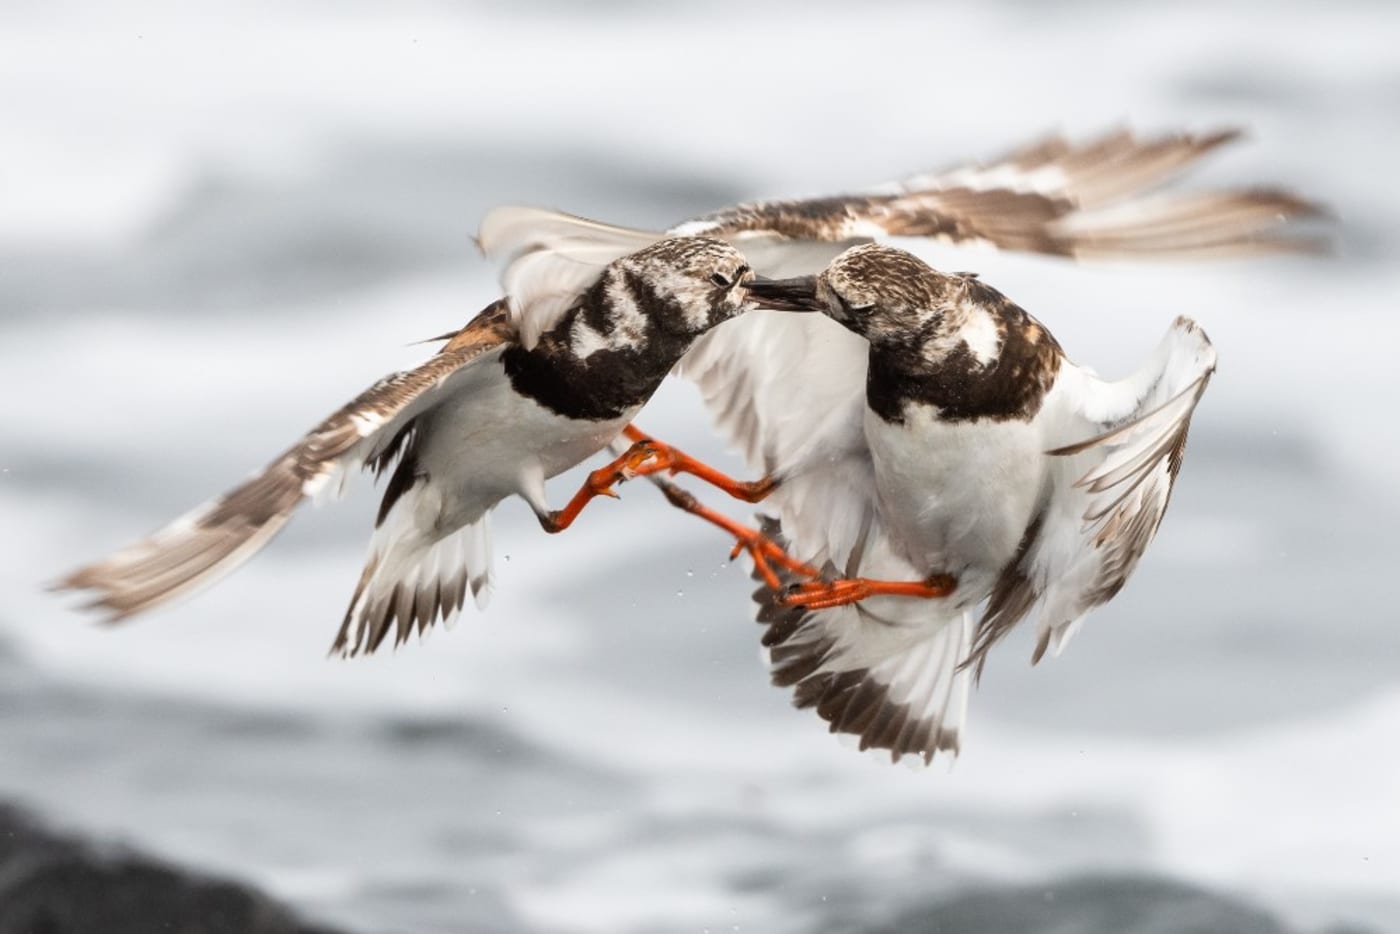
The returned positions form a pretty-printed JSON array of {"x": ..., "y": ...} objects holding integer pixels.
[
  {"x": 1256, "y": 247},
  {"x": 101, "y": 600},
  {"x": 1200, "y": 140},
  {"x": 1213, "y": 139},
  {"x": 69, "y": 582},
  {"x": 1290, "y": 206}
]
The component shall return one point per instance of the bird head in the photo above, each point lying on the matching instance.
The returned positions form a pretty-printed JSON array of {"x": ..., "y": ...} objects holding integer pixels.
[
  {"x": 879, "y": 292},
  {"x": 684, "y": 285}
]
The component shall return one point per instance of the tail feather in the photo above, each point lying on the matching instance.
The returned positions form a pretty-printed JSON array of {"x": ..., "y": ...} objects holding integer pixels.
[
  {"x": 894, "y": 685},
  {"x": 411, "y": 581}
]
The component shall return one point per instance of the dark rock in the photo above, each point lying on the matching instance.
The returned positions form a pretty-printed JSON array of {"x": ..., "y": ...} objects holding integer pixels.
[
  {"x": 51, "y": 884},
  {"x": 1087, "y": 905}
]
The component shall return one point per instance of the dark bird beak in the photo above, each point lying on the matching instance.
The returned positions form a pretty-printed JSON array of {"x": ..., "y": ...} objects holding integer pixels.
[{"x": 798, "y": 294}]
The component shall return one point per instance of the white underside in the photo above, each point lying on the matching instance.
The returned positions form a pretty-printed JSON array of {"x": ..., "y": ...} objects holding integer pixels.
[
  {"x": 957, "y": 496},
  {"x": 496, "y": 443},
  {"x": 487, "y": 444}
]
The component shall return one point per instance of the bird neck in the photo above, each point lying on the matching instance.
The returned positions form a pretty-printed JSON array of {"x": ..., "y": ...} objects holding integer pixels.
[{"x": 601, "y": 361}]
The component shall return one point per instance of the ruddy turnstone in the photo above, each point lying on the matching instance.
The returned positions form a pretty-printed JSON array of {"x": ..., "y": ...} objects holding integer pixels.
[
  {"x": 497, "y": 412},
  {"x": 996, "y": 469},
  {"x": 790, "y": 391}
]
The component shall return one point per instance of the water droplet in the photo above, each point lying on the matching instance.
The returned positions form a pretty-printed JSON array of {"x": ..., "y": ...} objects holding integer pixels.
[
  {"x": 680, "y": 593},
  {"x": 689, "y": 572},
  {"x": 507, "y": 557}
]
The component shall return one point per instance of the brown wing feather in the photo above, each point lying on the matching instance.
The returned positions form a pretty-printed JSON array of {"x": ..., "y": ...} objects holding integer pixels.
[
  {"x": 1052, "y": 197},
  {"x": 220, "y": 535}
]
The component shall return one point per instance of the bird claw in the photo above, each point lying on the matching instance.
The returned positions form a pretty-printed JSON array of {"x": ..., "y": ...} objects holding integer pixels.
[
  {"x": 765, "y": 553},
  {"x": 648, "y": 456},
  {"x": 638, "y": 461}
]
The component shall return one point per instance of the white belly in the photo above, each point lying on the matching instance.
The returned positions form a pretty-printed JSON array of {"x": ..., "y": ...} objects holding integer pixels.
[
  {"x": 957, "y": 495},
  {"x": 495, "y": 443}
]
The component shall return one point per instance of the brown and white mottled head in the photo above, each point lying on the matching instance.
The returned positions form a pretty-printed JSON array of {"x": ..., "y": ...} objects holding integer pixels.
[
  {"x": 879, "y": 292},
  {"x": 682, "y": 286},
  {"x": 950, "y": 341},
  {"x": 611, "y": 350}
]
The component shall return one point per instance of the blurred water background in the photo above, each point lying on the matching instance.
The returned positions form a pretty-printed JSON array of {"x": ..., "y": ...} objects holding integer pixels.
[{"x": 220, "y": 220}]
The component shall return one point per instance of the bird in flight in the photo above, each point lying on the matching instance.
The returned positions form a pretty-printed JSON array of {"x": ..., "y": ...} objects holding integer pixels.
[
  {"x": 994, "y": 473},
  {"x": 593, "y": 316},
  {"x": 791, "y": 392},
  {"x": 490, "y": 416}
]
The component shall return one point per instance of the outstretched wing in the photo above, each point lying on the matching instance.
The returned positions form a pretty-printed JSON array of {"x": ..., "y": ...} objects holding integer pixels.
[
  {"x": 768, "y": 379},
  {"x": 1087, "y": 201},
  {"x": 1107, "y": 494},
  {"x": 218, "y": 536}
]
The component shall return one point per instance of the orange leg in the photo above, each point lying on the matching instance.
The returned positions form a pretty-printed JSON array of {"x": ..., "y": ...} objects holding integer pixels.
[
  {"x": 669, "y": 459},
  {"x": 822, "y": 595},
  {"x": 764, "y": 551},
  {"x": 599, "y": 483}
]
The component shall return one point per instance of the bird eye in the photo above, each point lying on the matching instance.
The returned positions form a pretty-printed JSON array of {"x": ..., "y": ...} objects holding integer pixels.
[
  {"x": 848, "y": 308},
  {"x": 719, "y": 280}
]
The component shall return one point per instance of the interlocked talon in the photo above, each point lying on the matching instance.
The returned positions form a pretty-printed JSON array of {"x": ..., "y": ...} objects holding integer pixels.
[
  {"x": 760, "y": 547},
  {"x": 823, "y": 595},
  {"x": 599, "y": 483},
  {"x": 673, "y": 461}
]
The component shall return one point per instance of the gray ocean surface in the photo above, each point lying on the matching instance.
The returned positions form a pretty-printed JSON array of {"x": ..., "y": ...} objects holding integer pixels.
[{"x": 217, "y": 222}]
